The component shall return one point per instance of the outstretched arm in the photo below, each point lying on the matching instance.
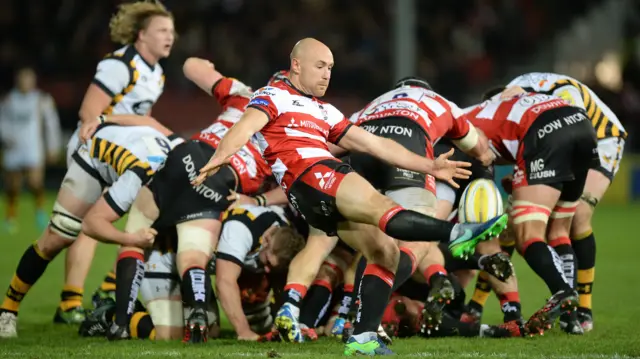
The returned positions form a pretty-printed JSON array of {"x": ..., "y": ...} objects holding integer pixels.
[
  {"x": 202, "y": 73},
  {"x": 252, "y": 121}
]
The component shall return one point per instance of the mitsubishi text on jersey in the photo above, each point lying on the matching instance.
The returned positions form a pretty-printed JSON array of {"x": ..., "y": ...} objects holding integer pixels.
[
  {"x": 233, "y": 96},
  {"x": 298, "y": 130},
  {"x": 505, "y": 122},
  {"x": 436, "y": 115}
]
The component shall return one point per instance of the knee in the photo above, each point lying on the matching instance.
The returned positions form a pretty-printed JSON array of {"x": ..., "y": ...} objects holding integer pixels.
[
  {"x": 50, "y": 244},
  {"x": 195, "y": 246},
  {"x": 582, "y": 219},
  {"x": 385, "y": 254}
]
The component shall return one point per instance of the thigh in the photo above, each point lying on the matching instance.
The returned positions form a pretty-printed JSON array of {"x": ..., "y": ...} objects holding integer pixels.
[
  {"x": 415, "y": 198},
  {"x": 80, "y": 189},
  {"x": 314, "y": 194}
]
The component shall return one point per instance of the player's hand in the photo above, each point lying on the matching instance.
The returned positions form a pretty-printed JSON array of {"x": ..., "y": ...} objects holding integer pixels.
[
  {"x": 487, "y": 158},
  {"x": 238, "y": 199},
  {"x": 87, "y": 130},
  {"x": 511, "y": 92},
  {"x": 209, "y": 169},
  {"x": 249, "y": 336},
  {"x": 446, "y": 170},
  {"x": 143, "y": 238}
]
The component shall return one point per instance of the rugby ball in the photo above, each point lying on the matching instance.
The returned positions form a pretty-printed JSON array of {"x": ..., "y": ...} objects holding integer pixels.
[{"x": 480, "y": 202}]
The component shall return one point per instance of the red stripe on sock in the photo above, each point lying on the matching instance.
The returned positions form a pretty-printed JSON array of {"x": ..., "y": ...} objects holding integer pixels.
[
  {"x": 412, "y": 256},
  {"x": 529, "y": 242},
  {"x": 559, "y": 241},
  {"x": 386, "y": 217},
  {"x": 131, "y": 254},
  {"x": 509, "y": 297},
  {"x": 323, "y": 283},
  {"x": 300, "y": 288},
  {"x": 433, "y": 269},
  {"x": 348, "y": 288},
  {"x": 334, "y": 267},
  {"x": 383, "y": 273}
]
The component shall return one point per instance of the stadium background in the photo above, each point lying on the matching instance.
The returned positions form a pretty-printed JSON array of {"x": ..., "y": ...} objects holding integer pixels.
[{"x": 462, "y": 47}]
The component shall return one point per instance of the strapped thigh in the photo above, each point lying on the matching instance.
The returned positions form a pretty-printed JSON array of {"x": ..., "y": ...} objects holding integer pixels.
[{"x": 525, "y": 211}]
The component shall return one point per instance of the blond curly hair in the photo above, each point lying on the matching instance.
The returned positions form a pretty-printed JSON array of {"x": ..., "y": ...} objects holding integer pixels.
[{"x": 131, "y": 18}]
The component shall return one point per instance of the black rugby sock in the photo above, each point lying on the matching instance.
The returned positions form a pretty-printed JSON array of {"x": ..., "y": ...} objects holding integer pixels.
[
  {"x": 129, "y": 275},
  {"x": 411, "y": 226},
  {"x": 547, "y": 265},
  {"x": 374, "y": 293},
  {"x": 196, "y": 288},
  {"x": 30, "y": 268},
  {"x": 315, "y": 303},
  {"x": 584, "y": 246}
]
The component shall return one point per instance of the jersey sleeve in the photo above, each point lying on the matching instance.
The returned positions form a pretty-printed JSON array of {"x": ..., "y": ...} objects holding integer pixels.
[
  {"x": 338, "y": 122},
  {"x": 460, "y": 124},
  {"x": 235, "y": 242},
  {"x": 570, "y": 94},
  {"x": 112, "y": 76},
  {"x": 229, "y": 90},
  {"x": 268, "y": 100},
  {"x": 123, "y": 192}
]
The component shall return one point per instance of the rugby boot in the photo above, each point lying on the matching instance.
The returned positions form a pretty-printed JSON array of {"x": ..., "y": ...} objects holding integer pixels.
[
  {"x": 117, "y": 332},
  {"x": 8, "y": 325},
  {"x": 585, "y": 317},
  {"x": 287, "y": 324},
  {"x": 347, "y": 332},
  {"x": 440, "y": 294},
  {"x": 197, "y": 328},
  {"x": 564, "y": 301},
  {"x": 97, "y": 323},
  {"x": 471, "y": 234},
  {"x": 338, "y": 327},
  {"x": 498, "y": 265},
  {"x": 100, "y": 295},
  {"x": 570, "y": 323},
  {"x": 514, "y": 327},
  {"x": 371, "y": 346},
  {"x": 494, "y": 331},
  {"x": 75, "y": 315},
  {"x": 383, "y": 336}
]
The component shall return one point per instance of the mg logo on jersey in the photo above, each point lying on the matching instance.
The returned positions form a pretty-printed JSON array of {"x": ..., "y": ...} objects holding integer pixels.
[{"x": 537, "y": 170}]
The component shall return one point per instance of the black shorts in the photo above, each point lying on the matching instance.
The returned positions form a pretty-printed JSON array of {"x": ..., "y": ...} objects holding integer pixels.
[
  {"x": 177, "y": 199},
  {"x": 315, "y": 198},
  {"x": 478, "y": 171},
  {"x": 558, "y": 150},
  {"x": 383, "y": 176}
]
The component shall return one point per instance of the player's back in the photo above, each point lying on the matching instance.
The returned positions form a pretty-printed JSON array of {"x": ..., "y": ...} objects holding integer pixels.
[
  {"x": 133, "y": 84},
  {"x": 577, "y": 94},
  {"x": 22, "y": 116},
  {"x": 506, "y": 121},
  {"x": 432, "y": 112},
  {"x": 115, "y": 149}
]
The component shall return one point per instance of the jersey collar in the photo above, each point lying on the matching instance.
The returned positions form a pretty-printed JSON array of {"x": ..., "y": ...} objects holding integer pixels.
[{"x": 288, "y": 82}]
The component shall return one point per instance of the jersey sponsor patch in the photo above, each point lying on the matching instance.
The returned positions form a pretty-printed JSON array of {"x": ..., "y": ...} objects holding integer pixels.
[{"x": 259, "y": 102}]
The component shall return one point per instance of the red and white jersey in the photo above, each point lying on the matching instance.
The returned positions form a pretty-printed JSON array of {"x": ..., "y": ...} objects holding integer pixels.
[
  {"x": 505, "y": 122},
  {"x": 233, "y": 96},
  {"x": 248, "y": 163},
  {"x": 298, "y": 130},
  {"x": 437, "y": 116}
]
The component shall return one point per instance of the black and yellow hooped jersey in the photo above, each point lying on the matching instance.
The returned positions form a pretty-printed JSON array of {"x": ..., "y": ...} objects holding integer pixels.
[{"x": 604, "y": 121}]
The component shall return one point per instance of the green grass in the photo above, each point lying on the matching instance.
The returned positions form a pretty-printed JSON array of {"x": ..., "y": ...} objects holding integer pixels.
[{"x": 616, "y": 311}]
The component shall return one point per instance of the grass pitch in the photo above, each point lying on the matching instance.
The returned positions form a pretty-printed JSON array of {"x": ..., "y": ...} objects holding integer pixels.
[{"x": 617, "y": 314}]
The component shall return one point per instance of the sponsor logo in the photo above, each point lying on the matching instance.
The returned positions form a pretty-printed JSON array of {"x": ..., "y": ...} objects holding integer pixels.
[
  {"x": 537, "y": 170},
  {"x": 548, "y": 105},
  {"x": 264, "y": 92},
  {"x": 202, "y": 190},
  {"x": 307, "y": 124},
  {"x": 259, "y": 102},
  {"x": 508, "y": 308},
  {"x": 518, "y": 176},
  {"x": 325, "y": 180},
  {"x": 396, "y": 130},
  {"x": 575, "y": 118},
  {"x": 197, "y": 284},
  {"x": 297, "y": 103},
  {"x": 549, "y": 128},
  {"x": 394, "y": 113}
]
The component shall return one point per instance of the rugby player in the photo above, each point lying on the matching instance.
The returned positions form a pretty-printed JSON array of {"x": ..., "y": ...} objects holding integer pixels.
[
  {"x": 171, "y": 200},
  {"x": 255, "y": 240},
  {"x": 553, "y": 147},
  {"x": 611, "y": 139},
  {"x": 127, "y": 81},
  {"x": 414, "y": 116},
  {"x": 294, "y": 128},
  {"x": 28, "y": 117},
  {"x": 123, "y": 158}
]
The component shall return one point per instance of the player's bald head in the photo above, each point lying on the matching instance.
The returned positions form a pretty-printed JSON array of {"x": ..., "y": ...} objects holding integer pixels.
[{"x": 311, "y": 64}]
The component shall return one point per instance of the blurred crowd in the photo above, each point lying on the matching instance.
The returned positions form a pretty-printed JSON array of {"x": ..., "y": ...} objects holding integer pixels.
[{"x": 461, "y": 44}]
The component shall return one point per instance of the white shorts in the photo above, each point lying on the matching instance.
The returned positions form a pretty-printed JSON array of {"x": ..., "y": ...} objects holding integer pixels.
[
  {"x": 83, "y": 185},
  {"x": 73, "y": 144},
  {"x": 22, "y": 158},
  {"x": 610, "y": 150}
]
